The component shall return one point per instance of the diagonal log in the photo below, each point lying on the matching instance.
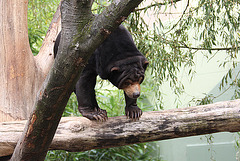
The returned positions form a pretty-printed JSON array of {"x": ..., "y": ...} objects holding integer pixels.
[
  {"x": 81, "y": 134},
  {"x": 82, "y": 33}
]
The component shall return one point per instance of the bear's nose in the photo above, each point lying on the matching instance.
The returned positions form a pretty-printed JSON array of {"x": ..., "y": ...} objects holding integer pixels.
[{"x": 136, "y": 94}]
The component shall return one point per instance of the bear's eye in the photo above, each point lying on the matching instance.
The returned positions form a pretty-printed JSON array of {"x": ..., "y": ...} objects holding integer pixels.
[{"x": 127, "y": 83}]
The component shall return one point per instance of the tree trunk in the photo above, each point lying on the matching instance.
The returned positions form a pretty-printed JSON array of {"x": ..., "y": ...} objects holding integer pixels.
[
  {"x": 22, "y": 74},
  {"x": 17, "y": 66},
  {"x": 81, "y": 134}
]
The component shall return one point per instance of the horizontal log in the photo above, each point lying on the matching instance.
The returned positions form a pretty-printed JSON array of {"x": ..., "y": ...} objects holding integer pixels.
[{"x": 81, "y": 134}]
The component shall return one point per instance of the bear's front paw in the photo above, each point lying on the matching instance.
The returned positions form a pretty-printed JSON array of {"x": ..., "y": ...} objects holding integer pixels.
[
  {"x": 93, "y": 113},
  {"x": 133, "y": 112}
]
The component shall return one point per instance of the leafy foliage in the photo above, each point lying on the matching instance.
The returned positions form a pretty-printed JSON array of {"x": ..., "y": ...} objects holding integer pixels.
[
  {"x": 204, "y": 27},
  {"x": 40, "y": 14},
  {"x": 132, "y": 152}
]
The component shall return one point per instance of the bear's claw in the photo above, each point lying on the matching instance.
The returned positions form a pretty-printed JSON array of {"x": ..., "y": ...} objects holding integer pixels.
[
  {"x": 94, "y": 113},
  {"x": 133, "y": 112}
]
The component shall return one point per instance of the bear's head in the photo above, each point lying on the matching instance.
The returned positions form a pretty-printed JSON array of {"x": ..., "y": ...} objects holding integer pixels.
[{"x": 128, "y": 74}]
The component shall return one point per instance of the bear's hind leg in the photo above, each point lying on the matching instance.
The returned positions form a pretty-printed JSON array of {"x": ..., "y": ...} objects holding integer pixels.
[{"x": 87, "y": 103}]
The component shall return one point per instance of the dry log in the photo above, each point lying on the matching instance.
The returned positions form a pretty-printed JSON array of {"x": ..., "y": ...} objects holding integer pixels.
[{"x": 81, "y": 134}]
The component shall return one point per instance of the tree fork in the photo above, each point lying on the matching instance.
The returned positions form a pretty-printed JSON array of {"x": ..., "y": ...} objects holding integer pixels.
[{"x": 81, "y": 134}]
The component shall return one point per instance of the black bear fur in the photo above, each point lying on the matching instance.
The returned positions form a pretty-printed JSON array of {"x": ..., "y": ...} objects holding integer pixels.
[{"x": 118, "y": 60}]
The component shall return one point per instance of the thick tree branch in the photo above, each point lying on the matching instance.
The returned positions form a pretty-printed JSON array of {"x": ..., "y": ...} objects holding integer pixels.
[
  {"x": 81, "y": 35},
  {"x": 81, "y": 134}
]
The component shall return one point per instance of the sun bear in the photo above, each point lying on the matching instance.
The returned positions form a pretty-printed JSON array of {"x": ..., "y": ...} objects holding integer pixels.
[{"x": 118, "y": 60}]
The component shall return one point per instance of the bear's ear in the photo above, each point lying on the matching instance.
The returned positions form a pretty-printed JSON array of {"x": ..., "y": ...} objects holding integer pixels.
[
  {"x": 145, "y": 64},
  {"x": 115, "y": 69}
]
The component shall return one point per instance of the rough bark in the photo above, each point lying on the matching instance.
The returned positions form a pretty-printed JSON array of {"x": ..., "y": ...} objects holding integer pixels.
[
  {"x": 81, "y": 134},
  {"x": 82, "y": 33},
  {"x": 22, "y": 74}
]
